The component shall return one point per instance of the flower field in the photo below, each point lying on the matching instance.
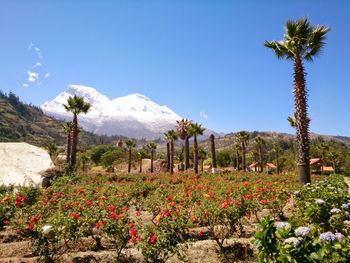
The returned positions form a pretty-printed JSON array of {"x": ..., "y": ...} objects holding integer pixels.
[{"x": 162, "y": 215}]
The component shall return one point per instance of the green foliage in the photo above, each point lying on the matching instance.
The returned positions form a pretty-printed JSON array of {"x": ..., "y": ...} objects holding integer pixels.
[
  {"x": 97, "y": 152},
  {"x": 113, "y": 156},
  {"x": 225, "y": 158}
]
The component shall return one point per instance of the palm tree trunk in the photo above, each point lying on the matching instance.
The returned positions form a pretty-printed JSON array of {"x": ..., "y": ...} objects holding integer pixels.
[
  {"x": 261, "y": 159},
  {"x": 172, "y": 157},
  {"x": 213, "y": 153},
  {"x": 243, "y": 157},
  {"x": 69, "y": 146},
  {"x": 277, "y": 164},
  {"x": 202, "y": 165},
  {"x": 187, "y": 153},
  {"x": 195, "y": 154},
  {"x": 334, "y": 167},
  {"x": 129, "y": 161},
  {"x": 74, "y": 141},
  {"x": 140, "y": 163},
  {"x": 237, "y": 160},
  {"x": 152, "y": 156},
  {"x": 303, "y": 140},
  {"x": 168, "y": 156}
]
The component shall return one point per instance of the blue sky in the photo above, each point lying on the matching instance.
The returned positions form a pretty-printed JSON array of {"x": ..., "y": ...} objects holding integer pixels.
[{"x": 193, "y": 56}]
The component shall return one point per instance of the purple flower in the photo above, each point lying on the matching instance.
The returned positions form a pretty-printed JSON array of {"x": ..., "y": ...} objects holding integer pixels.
[
  {"x": 320, "y": 201},
  {"x": 302, "y": 231},
  {"x": 345, "y": 206},
  {"x": 292, "y": 240},
  {"x": 328, "y": 236},
  {"x": 339, "y": 236},
  {"x": 335, "y": 211},
  {"x": 282, "y": 225}
]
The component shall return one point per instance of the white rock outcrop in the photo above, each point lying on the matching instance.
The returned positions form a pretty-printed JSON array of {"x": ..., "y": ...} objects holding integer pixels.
[{"x": 21, "y": 164}]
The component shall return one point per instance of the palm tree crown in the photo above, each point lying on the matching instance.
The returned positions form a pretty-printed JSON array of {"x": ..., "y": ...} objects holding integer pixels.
[
  {"x": 300, "y": 40},
  {"x": 77, "y": 105}
]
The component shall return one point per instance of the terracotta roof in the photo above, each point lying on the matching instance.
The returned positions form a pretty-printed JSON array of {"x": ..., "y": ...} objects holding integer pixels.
[
  {"x": 315, "y": 161},
  {"x": 327, "y": 169},
  {"x": 254, "y": 164},
  {"x": 271, "y": 165}
]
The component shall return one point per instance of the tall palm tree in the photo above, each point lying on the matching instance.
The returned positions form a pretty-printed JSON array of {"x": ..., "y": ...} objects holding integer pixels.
[
  {"x": 334, "y": 157},
  {"x": 183, "y": 126},
  {"x": 171, "y": 135},
  {"x": 130, "y": 144},
  {"x": 202, "y": 155},
  {"x": 76, "y": 105},
  {"x": 238, "y": 148},
  {"x": 168, "y": 139},
  {"x": 242, "y": 137},
  {"x": 194, "y": 130},
  {"x": 323, "y": 148},
  {"x": 302, "y": 42},
  {"x": 67, "y": 129},
  {"x": 213, "y": 153},
  {"x": 260, "y": 142},
  {"x": 277, "y": 150},
  {"x": 152, "y": 147}
]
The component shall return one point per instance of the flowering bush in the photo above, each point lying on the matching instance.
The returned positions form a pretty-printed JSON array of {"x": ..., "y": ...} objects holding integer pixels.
[
  {"x": 112, "y": 208},
  {"x": 318, "y": 233}
]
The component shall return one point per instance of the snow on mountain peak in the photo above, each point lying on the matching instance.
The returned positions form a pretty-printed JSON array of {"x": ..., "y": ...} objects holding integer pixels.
[{"x": 134, "y": 115}]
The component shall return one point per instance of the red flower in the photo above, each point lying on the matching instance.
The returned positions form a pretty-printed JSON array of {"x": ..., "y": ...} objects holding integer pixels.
[
  {"x": 111, "y": 208},
  {"x": 246, "y": 183},
  {"x": 98, "y": 224},
  {"x": 6, "y": 222},
  {"x": 153, "y": 239},
  {"x": 168, "y": 198},
  {"x": 124, "y": 208},
  {"x": 112, "y": 215},
  {"x": 167, "y": 213},
  {"x": 133, "y": 232},
  {"x": 75, "y": 215}
]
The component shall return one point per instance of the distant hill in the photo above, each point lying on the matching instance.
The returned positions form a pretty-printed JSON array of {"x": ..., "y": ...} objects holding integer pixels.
[
  {"x": 21, "y": 122},
  {"x": 229, "y": 139}
]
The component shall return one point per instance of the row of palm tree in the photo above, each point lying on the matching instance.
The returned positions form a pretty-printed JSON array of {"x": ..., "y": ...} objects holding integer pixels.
[
  {"x": 132, "y": 144},
  {"x": 186, "y": 129}
]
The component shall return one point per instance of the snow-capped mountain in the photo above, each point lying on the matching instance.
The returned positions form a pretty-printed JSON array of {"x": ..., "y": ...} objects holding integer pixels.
[{"x": 134, "y": 115}]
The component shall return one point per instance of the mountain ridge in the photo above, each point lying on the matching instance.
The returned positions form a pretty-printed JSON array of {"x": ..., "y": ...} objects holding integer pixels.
[{"x": 134, "y": 115}]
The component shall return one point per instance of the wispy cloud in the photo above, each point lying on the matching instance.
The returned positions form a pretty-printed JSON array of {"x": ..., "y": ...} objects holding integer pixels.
[
  {"x": 37, "y": 70},
  {"x": 38, "y": 52},
  {"x": 38, "y": 64},
  {"x": 30, "y": 46},
  {"x": 203, "y": 115},
  {"x": 32, "y": 76}
]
